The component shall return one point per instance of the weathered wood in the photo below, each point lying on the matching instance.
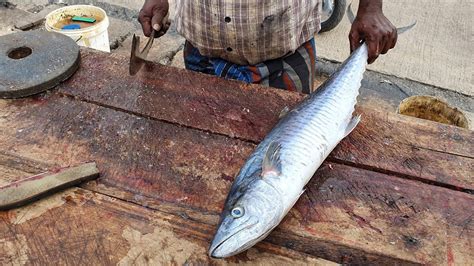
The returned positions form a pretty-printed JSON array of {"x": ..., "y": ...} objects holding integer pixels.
[
  {"x": 423, "y": 151},
  {"x": 77, "y": 227},
  {"x": 357, "y": 216},
  {"x": 132, "y": 152},
  {"x": 34, "y": 187},
  {"x": 14, "y": 168},
  {"x": 347, "y": 214},
  {"x": 389, "y": 143}
]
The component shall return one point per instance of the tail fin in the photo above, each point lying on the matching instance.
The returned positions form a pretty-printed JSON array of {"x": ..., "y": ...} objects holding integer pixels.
[
  {"x": 401, "y": 30},
  {"x": 406, "y": 28},
  {"x": 350, "y": 14}
]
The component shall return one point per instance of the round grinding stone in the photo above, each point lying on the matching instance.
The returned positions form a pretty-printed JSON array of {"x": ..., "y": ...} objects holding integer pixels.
[{"x": 35, "y": 61}]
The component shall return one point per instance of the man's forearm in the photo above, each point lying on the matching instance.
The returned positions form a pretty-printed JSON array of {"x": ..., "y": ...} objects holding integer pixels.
[{"x": 370, "y": 5}]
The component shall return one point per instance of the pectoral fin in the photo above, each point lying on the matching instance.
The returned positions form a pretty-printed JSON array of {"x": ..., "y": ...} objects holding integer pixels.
[{"x": 284, "y": 111}]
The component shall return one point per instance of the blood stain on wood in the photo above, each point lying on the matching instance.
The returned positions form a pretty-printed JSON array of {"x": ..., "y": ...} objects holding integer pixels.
[{"x": 450, "y": 256}]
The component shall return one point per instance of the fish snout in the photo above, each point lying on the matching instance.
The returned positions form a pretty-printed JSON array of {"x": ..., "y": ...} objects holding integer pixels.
[{"x": 229, "y": 241}]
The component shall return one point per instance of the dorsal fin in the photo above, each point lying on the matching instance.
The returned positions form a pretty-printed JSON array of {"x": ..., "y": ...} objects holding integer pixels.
[
  {"x": 271, "y": 165},
  {"x": 351, "y": 17},
  {"x": 284, "y": 111}
]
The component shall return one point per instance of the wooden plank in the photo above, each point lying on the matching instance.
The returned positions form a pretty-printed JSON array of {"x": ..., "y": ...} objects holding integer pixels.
[
  {"x": 77, "y": 227},
  {"x": 379, "y": 143},
  {"x": 347, "y": 215},
  {"x": 404, "y": 146},
  {"x": 59, "y": 130},
  {"x": 352, "y": 215},
  {"x": 420, "y": 223},
  {"x": 14, "y": 168}
]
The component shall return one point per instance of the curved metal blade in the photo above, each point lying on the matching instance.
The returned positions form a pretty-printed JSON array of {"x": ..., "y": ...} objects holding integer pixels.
[{"x": 137, "y": 58}]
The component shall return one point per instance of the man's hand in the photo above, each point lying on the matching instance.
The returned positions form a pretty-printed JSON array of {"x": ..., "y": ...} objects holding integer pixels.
[
  {"x": 371, "y": 26},
  {"x": 154, "y": 13}
]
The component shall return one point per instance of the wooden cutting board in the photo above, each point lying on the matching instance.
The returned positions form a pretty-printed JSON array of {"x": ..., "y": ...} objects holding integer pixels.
[{"x": 168, "y": 143}]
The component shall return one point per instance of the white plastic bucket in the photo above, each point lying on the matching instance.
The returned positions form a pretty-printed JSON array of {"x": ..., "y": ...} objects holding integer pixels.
[{"x": 95, "y": 36}]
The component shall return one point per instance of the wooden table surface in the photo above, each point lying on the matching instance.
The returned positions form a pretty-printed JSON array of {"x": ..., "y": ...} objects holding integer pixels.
[{"x": 168, "y": 143}]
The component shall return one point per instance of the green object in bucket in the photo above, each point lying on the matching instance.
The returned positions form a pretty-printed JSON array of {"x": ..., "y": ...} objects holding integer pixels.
[{"x": 83, "y": 19}]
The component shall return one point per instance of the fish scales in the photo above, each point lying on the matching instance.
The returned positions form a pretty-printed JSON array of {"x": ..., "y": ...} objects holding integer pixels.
[{"x": 274, "y": 176}]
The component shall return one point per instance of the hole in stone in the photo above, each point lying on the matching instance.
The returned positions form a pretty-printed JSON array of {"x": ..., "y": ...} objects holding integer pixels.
[
  {"x": 431, "y": 108},
  {"x": 20, "y": 52},
  {"x": 227, "y": 19}
]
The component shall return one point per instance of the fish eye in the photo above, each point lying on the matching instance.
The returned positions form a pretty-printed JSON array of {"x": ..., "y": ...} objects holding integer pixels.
[{"x": 237, "y": 212}]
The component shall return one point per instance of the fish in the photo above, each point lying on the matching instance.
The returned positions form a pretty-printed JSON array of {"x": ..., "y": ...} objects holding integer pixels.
[{"x": 275, "y": 174}]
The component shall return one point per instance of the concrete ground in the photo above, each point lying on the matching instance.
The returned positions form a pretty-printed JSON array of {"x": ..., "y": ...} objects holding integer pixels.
[
  {"x": 437, "y": 51},
  {"x": 433, "y": 59}
]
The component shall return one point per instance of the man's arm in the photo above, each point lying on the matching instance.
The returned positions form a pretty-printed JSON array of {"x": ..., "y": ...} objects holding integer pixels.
[
  {"x": 371, "y": 26},
  {"x": 154, "y": 14}
]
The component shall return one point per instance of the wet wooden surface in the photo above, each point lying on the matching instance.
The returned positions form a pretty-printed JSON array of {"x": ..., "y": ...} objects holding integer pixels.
[{"x": 168, "y": 143}]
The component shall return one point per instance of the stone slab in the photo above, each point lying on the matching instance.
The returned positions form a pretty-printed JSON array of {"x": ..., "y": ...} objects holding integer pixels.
[
  {"x": 35, "y": 61},
  {"x": 35, "y": 19}
]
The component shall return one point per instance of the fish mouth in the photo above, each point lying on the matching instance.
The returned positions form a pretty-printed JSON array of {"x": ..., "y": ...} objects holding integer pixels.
[{"x": 216, "y": 246}]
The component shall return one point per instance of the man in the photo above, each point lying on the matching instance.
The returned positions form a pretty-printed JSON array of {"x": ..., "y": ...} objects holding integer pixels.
[{"x": 269, "y": 42}]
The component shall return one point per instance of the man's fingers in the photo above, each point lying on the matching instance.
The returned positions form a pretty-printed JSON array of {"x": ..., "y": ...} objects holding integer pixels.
[
  {"x": 373, "y": 50},
  {"x": 354, "y": 39},
  {"x": 146, "y": 24},
  {"x": 377, "y": 31},
  {"x": 390, "y": 39},
  {"x": 394, "y": 38},
  {"x": 163, "y": 30},
  {"x": 153, "y": 15},
  {"x": 156, "y": 27},
  {"x": 157, "y": 19},
  {"x": 385, "y": 44}
]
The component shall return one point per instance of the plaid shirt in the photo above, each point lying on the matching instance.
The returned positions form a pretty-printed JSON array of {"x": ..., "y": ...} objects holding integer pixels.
[{"x": 247, "y": 32}]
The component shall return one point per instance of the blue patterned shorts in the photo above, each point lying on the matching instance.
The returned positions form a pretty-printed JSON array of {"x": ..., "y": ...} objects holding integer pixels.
[{"x": 294, "y": 72}]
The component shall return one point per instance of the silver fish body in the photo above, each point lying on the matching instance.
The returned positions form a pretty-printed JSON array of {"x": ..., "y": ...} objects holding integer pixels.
[{"x": 274, "y": 176}]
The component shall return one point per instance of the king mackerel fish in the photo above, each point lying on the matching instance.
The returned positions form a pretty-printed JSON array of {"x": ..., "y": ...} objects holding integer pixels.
[{"x": 274, "y": 176}]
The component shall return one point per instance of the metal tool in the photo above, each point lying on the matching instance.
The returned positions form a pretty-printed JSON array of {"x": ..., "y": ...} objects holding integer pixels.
[
  {"x": 137, "y": 58},
  {"x": 32, "y": 188}
]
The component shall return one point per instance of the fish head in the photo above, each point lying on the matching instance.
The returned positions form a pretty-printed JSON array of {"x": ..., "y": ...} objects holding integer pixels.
[{"x": 247, "y": 219}]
